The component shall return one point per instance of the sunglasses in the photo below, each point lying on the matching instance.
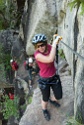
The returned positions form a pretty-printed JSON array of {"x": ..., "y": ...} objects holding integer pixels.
[{"x": 42, "y": 45}]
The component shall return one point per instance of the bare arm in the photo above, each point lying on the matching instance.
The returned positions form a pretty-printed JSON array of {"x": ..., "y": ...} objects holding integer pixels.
[{"x": 47, "y": 59}]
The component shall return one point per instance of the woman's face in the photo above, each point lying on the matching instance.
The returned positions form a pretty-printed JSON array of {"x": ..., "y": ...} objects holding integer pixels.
[{"x": 41, "y": 47}]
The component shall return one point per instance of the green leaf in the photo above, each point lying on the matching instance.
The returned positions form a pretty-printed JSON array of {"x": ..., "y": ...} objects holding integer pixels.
[
  {"x": 77, "y": 4},
  {"x": 82, "y": 8},
  {"x": 10, "y": 107}
]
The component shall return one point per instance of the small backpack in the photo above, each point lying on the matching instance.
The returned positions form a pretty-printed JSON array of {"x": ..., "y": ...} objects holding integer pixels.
[{"x": 14, "y": 66}]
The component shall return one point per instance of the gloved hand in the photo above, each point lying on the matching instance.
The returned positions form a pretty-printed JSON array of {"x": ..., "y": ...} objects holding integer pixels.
[
  {"x": 54, "y": 36},
  {"x": 56, "y": 40}
]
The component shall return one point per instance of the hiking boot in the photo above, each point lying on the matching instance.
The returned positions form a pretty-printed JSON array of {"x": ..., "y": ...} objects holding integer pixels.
[
  {"x": 56, "y": 104},
  {"x": 46, "y": 115}
]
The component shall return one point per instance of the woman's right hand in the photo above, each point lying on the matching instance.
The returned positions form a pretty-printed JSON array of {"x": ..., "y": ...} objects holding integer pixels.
[
  {"x": 54, "y": 36},
  {"x": 56, "y": 40}
]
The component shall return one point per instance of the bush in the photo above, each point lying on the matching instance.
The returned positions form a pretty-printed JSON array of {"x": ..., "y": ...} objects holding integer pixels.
[
  {"x": 72, "y": 121},
  {"x": 61, "y": 54},
  {"x": 9, "y": 107}
]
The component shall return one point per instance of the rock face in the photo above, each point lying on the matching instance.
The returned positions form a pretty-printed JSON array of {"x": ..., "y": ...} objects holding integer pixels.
[
  {"x": 11, "y": 42},
  {"x": 45, "y": 16},
  {"x": 41, "y": 19},
  {"x": 12, "y": 48}
]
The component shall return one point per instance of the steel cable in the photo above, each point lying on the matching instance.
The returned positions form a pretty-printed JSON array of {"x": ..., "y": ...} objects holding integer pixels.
[{"x": 77, "y": 54}]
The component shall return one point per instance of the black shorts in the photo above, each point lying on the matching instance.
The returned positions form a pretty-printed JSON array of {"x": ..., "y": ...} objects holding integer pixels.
[{"x": 54, "y": 84}]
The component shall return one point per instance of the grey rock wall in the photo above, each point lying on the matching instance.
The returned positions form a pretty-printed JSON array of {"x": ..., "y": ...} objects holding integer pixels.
[
  {"x": 72, "y": 31},
  {"x": 41, "y": 19}
]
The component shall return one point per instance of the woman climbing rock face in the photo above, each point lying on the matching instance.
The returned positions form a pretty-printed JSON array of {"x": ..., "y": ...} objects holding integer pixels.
[{"x": 45, "y": 56}]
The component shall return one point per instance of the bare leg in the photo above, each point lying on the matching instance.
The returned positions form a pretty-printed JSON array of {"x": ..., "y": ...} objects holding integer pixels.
[
  {"x": 15, "y": 74},
  {"x": 54, "y": 99},
  {"x": 44, "y": 105},
  {"x": 30, "y": 82}
]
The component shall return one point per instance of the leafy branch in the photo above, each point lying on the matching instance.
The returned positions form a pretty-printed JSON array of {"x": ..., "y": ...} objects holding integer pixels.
[
  {"x": 9, "y": 107},
  {"x": 77, "y": 4}
]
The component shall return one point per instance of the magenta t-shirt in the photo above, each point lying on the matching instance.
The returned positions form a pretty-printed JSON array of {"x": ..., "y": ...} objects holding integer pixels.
[{"x": 46, "y": 69}]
